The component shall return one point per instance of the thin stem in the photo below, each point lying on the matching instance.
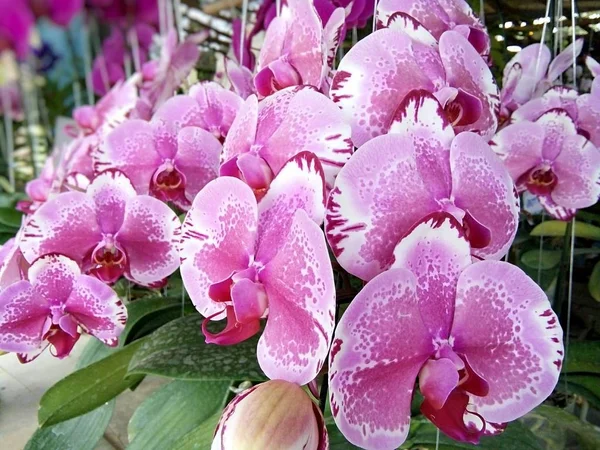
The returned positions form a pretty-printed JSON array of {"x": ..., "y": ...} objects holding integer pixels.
[
  {"x": 8, "y": 133},
  {"x": 569, "y": 297},
  {"x": 323, "y": 393}
]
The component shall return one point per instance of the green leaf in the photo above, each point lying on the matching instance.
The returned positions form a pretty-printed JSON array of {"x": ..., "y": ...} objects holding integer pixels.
[
  {"x": 178, "y": 350},
  {"x": 515, "y": 437},
  {"x": 559, "y": 420},
  {"x": 587, "y": 386},
  {"x": 10, "y": 217},
  {"x": 201, "y": 437},
  {"x": 88, "y": 388},
  {"x": 583, "y": 356},
  {"x": 594, "y": 284},
  {"x": 554, "y": 228},
  {"x": 175, "y": 410},
  {"x": 154, "y": 309},
  {"x": 544, "y": 260},
  {"x": 83, "y": 432}
]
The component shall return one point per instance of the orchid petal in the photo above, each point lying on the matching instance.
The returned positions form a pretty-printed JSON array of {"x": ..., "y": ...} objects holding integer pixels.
[
  {"x": 333, "y": 35},
  {"x": 301, "y": 291},
  {"x": 243, "y": 130},
  {"x": 411, "y": 26},
  {"x": 66, "y": 224},
  {"x": 437, "y": 379},
  {"x": 482, "y": 187},
  {"x": 554, "y": 210},
  {"x": 577, "y": 168},
  {"x": 564, "y": 60},
  {"x": 428, "y": 12},
  {"x": 466, "y": 69},
  {"x": 11, "y": 261},
  {"x": 436, "y": 251},
  {"x": 218, "y": 106},
  {"x": 53, "y": 277},
  {"x": 299, "y": 185},
  {"x": 149, "y": 236},
  {"x": 592, "y": 65},
  {"x": 217, "y": 238},
  {"x": 240, "y": 78},
  {"x": 519, "y": 146},
  {"x": 588, "y": 108},
  {"x": 534, "y": 63},
  {"x": 377, "y": 198},
  {"x": 110, "y": 191},
  {"x": 501, "y": 311},
  {"x": 557, "y": 126},
  {"x": 379, "y": 347}
]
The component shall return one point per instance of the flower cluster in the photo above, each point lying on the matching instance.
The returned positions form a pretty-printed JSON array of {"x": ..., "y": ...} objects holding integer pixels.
[{"x": 406, "y": 161}]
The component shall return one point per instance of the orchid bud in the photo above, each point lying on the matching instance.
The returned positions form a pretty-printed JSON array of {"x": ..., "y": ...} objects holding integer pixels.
[{"x": 276, "y": 414}]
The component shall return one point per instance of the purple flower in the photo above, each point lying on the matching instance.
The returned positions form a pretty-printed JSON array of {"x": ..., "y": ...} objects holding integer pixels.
[{"x": 16, "y": 23}]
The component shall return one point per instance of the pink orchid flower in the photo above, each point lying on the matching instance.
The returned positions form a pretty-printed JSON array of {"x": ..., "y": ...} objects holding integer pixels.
[
  {"x": 16, "y": 24},
  {"x": 58, "y": 11},
  {"x": 438, "y": 16},
  {"x": 38, "y": 190},
  {"x": 593, "y": 66},
  {"x": 530, "y": 73},
  {"x": 52, "y": 306},
  {"x": 109, "y": 230},
  {"x": 481, "y": 338},
  {"x": 297, "y": 48},
  {"x": 285, "y": 409},
  {"x": 419, "y": 168},
  {"x": 175, "y": 64},
  {"x": 584, "y": 109},
  {"x": 171, "y": 157},
  {"x": 13, "y": 266},
  {"x": 240, "y": 78},
  {"x": 123, "y": 12},
  {"x": 374, "y": 77},
  {"x": 550, "y": 159},
  {"x": 265, "y": 135},
  {"x": 246, "y": 261}
]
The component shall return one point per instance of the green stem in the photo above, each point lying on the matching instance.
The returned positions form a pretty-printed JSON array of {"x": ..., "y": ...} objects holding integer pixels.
[{"x": 563, "y": 273}]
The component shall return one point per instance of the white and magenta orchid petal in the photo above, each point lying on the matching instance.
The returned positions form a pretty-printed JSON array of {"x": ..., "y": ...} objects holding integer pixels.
[
  {"x": 404, "y": 22},
  {"x": 66, "y": 224},
  {"x": 577, "y": 168},
  {"x": 12, "y": 263},
  {"x": 299, "y": 185},
  {"x": 501, "y": 311},
  {"x": 301, "y": 292},
  {"x": 554, "y": 210},
  {"x": 378, "y": 349},
  {"x": 149, "y": 237},
  {"x": 564, "y": 60},
  {"x": 436, "y": 251},
  {"x": 217, "y": 238},
  {"x": 53, "y": 277},
  {"x": 333, "y": 35},
  {"x": 557, "y": 126},
  {"x": 483, "y": 188},
  {"x": 428, "y": 12},
  {"x": 110, "y": 192},
  {"x": 218, "y": 107},
  {"x": 97, "y": 308},
  {"x": 242, "y": 133},
  {"x": 377, "y": 198},
  {"x": 519, "y": 146},
  {"x": 588, "y": 120},
  {"x": 592, "y": 65},
  {"x": 466, "y": 70},
  {"x": 534, "y": 63}
]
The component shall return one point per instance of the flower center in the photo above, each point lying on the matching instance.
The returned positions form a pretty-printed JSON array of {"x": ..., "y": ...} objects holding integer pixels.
[
  {"x": 168, "y": 183},
  {"x": 541, "y": 180},
  {"x": 109, "y": 262}
]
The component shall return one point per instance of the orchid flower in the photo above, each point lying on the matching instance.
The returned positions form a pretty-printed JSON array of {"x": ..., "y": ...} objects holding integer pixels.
[
  {"x": 50, "y": 307},
  {"x": 284, "y": 409},
  {"x": 247, "y": 261},
  {"x": 38, "y": 190},
  {"x": 481, "y": 338},
  {"x": 592, "y": 65},
  {"x": 249, "y": 60},
  {"x": 13, "y": 266},
  {"x": 265, "y": 135},
  {"x": 16, "y": 24},
  {"x": 421, "y": 167},
  {"x": 122, "y": 12},
  {"x": 171, "y": 157},
  {"x": 240, "y": 78},
  {"x": 175, "y": 64},
  {"x": 378, "y": 72},
  {"x": 530, "y": 73},
  {"x": 297, "y": 48},
  {"x": 550, "y": 159},
  {"x": 109, "y": 230},
  {"x": 58, "y": 11}
]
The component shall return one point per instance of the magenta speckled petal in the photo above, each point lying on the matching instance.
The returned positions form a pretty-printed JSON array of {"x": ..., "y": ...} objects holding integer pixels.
[
  {"x": 110, "y": 191},
  {"x": 533, "y": 70},
  {"x": 97, "y": 308},
  {"x": 564, "y": 60},
  {"x": 218, "y": 107},
  {"x": 436, "y": 251},
  {"x": 301, "y": 291},
  {"x": 403, "y": 22},
  {"x": 519, "y": 146},
  {"x": 588, "y": 108},
  {"x": 240, "y": 78},
  {"x": 23, "y": 316},
  {"x": 378, "y": 349},
  {"x": 466, "y": 69},
  {"x": 557, "y": 126},
  {"x": 554, "y": 210},
  {"x": 577, "y": 168},
  {"x": 53, "y": 277},
  {"x": 373, "y": 78},
  {"x": 428, "y": 12},
  {"x": 299, "y": 185},
  {"x": 66, "y": 224},
  {"x": 243, "y": 130},
  {"x": 333, "y": 34},
  {"x": 378, "y": 197},
  {"x": 501, "y": 311},
  {"x": 149, "y": 236},
  {"x": 483, "y": 188},
  {"x": 311, "y": 122},
  {"x": 131, "y": 149},
  {"x": 217, "y": 238}
]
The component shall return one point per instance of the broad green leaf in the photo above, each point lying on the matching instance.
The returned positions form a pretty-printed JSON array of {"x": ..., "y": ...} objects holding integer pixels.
[
  {"x": 175, "y": 410},
  {"x": 583, "y": 356},
  {"x": 83, "y": 432},
  {"x": 178, "y": 350},
  {"x": 559, "y": 420},
  {"x": 153, "y": 308},
  {"x": 201, "y": 437},
  {"x": 10, "y": 217},
  {"x": 88, "y": 388},
  {"x": 594, "y": 284},
  {"x": 555, "y": 228},
  {"x": 544, "y": 260},
  {"x": 587, "y": 386},
  {"x": 515, "y": 437}
]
